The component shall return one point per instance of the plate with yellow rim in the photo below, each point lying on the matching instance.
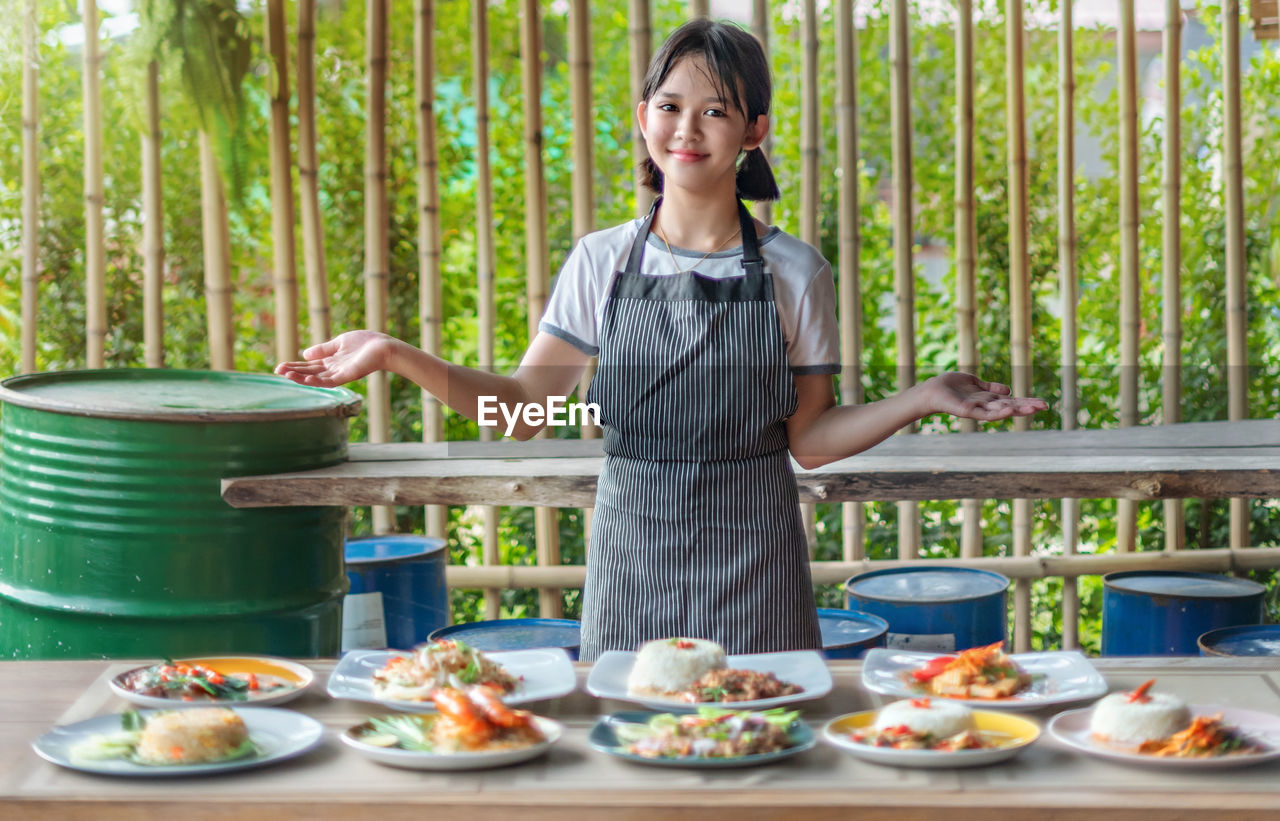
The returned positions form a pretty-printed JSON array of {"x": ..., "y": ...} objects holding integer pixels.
[
  {"x": 267, "y": 681},
  {"x": 1011, "y": 733}
]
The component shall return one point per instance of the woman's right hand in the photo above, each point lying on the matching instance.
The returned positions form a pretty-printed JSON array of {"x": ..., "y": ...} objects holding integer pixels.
[{"x": 345, "y": 358}]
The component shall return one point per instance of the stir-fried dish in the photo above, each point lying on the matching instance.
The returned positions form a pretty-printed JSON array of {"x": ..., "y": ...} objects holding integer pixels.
[
  {"x": 193, "y": 682},
  {"x": 979, "y": 672},
  {"x": 709, "y": 733},
  {"x": 440, "y": 664},
  {"x": 1206, "y": 737},
  {"x": 470, "y": 720},
  {"x": 738, "y": 685}
]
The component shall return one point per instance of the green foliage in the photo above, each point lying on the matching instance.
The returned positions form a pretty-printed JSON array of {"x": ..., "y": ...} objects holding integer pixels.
[{"x": 198, "y": 80}]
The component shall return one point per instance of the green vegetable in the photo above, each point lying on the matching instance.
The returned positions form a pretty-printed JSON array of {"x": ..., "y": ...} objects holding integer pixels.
[{"x": 405, "y": 732}]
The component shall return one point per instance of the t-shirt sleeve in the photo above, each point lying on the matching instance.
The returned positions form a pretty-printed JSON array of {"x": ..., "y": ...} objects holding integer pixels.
[
  {"x": 815, "y": 348},
  {"x": 571, "y": 310}
]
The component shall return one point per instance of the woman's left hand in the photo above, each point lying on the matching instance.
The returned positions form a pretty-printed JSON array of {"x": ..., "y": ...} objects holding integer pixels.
[{"x": 967, "y": 396}]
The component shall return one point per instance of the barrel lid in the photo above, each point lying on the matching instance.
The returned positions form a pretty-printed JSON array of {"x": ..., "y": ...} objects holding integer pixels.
[
  {"x": 917, "y": 585},
  {"x": 1183, "y": 584},
  {"x": 513, "y": 634},
  {"x": 375, "y": 549},
  {"x": 849, "y": 628},
  {"x": 176, "y": 395},
  {"x": 1242, "y": 640}
]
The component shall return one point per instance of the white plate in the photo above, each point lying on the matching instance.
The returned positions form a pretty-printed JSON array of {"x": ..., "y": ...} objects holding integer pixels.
[
  {"x": 299, "y": 674},
  {"x": 1072, "y": 729},
  {"x": 417, "y": 760},
  {"x": 544, "y": 673},
  {"x": 1021, "y": 732},
  {"x": 805, "y": 668},
  {"x": 1058, "y": 677},
  {"x": 278, "y": 734}
]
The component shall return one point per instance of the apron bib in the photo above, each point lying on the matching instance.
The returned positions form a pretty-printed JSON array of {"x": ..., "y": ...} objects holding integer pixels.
[{"x": 696, "y": 530}]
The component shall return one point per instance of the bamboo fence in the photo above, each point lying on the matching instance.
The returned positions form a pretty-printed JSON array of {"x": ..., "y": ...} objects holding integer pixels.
[{"x": 549, "y": 576}]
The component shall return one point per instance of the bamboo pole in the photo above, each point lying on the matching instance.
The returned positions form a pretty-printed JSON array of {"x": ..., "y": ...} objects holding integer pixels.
[
  {"x": 583, "y": 195},
  {"x": 1019, "y": 287},
  {"x": 699, "y": 8},
  {"x": 546, "y": 520},
  {"x": 1069, "y": 348},
  {"x": 284, "y": 263},
  {"x": 377, "y": 265},
  {"x": 152, "y": 226},
  {"x": 313, "y": 259},
  {"x": 95, "y": 260},
  {"x": 484, "y": 258},
  {"x": 217, "y": 259},
  {"x": 966, "y": 250},
  {"x": 1027, "y": 568},
  {"x": 30, "y": 184},
  {"x": 1171, "y": 267},
  {"x": 640, "y": 33},
  {"x": 1237, "y": 296},
  {"x": 903, "y": 262},
  {"x": 853, "y": 514},
  {"x": 430, "y": 282},
  {"x": 1130, "y": 304},
  {"x": 810, "y": 185},
  {"x": 760, "y": 28}
]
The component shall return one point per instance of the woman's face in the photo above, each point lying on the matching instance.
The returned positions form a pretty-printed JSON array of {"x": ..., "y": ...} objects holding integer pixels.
[{"x": 693, "y": 133}]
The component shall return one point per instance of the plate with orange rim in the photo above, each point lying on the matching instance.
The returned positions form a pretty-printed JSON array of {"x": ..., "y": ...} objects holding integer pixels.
[
  {"x": 266, "y": 680},
  {"x": 1057, "y": 677}
]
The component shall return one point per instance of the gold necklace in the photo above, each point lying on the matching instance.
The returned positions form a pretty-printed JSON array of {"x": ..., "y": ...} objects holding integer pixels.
[{"x": 663, "y": 236}]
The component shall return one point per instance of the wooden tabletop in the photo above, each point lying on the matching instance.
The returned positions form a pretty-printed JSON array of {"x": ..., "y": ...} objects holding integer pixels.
[
  {"x": 572, "y": 782},
  {"x": 1188, "y": 460}
]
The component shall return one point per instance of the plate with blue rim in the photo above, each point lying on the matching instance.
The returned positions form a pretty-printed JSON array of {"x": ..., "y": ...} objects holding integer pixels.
[{"x": 604, "y": 737}]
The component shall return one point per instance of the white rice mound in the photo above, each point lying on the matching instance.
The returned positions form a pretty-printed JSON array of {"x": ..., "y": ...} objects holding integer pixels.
[
  {"x": 1120, "y": 721},
  {"x": 936, "y": 717},
  {"x": 194, "y": 736},
  {"x": 666, "y": 666}
]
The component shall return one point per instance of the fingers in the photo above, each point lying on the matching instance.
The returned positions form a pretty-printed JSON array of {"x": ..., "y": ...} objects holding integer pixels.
[{"x": 322, "y": 349}]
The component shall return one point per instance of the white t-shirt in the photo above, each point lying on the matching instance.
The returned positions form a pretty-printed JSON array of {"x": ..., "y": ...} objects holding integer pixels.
[{"x": 803, "y": 290}]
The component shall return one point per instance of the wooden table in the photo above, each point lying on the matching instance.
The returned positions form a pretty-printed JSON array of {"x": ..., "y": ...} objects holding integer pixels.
[
  {"x": 1189, "y": 460},
  {"x": 574, "y": 782}
]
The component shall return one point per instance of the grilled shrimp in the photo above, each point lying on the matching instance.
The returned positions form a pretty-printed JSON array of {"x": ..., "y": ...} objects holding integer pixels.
[
  {"x": 495, "y": 711},
  {"x": 465, "y": 722}
]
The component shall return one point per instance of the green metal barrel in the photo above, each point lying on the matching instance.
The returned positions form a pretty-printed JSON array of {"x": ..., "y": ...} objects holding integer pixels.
[{"x": 115, "y": 540}]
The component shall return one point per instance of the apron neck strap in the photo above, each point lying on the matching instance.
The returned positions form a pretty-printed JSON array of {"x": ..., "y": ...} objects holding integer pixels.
[{"x": 751, "y": 259}]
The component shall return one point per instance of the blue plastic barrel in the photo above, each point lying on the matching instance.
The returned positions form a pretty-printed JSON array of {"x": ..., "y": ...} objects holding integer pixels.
[
  {"x": 1164, "y": 612},
  {"x": 936, "y": 609},
  {"x": 400, "y": 581},
  {"x": 1241, "y": 640},
  {"x": 849, "y": 634},
  {"x": 515, "y": 634}
]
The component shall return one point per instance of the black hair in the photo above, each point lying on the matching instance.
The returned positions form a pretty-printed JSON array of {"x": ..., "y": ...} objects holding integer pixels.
[{"x": 740, "y": 71}]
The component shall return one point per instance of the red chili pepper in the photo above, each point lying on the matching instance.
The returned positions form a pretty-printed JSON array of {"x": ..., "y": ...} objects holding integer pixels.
[
  {"x": 932, "y": 669},
  {"x": 1139, "y": 695},
  {"x": 922, "y": 703},
  {"x": 253, "y": 680}
]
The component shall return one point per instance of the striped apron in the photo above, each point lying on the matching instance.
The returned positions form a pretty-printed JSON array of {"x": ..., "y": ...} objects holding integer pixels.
[{"x": 696, "y": 530}]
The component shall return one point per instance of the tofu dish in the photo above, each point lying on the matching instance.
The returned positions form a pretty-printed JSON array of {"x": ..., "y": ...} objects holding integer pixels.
[{"x": 977, "y": 673}]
